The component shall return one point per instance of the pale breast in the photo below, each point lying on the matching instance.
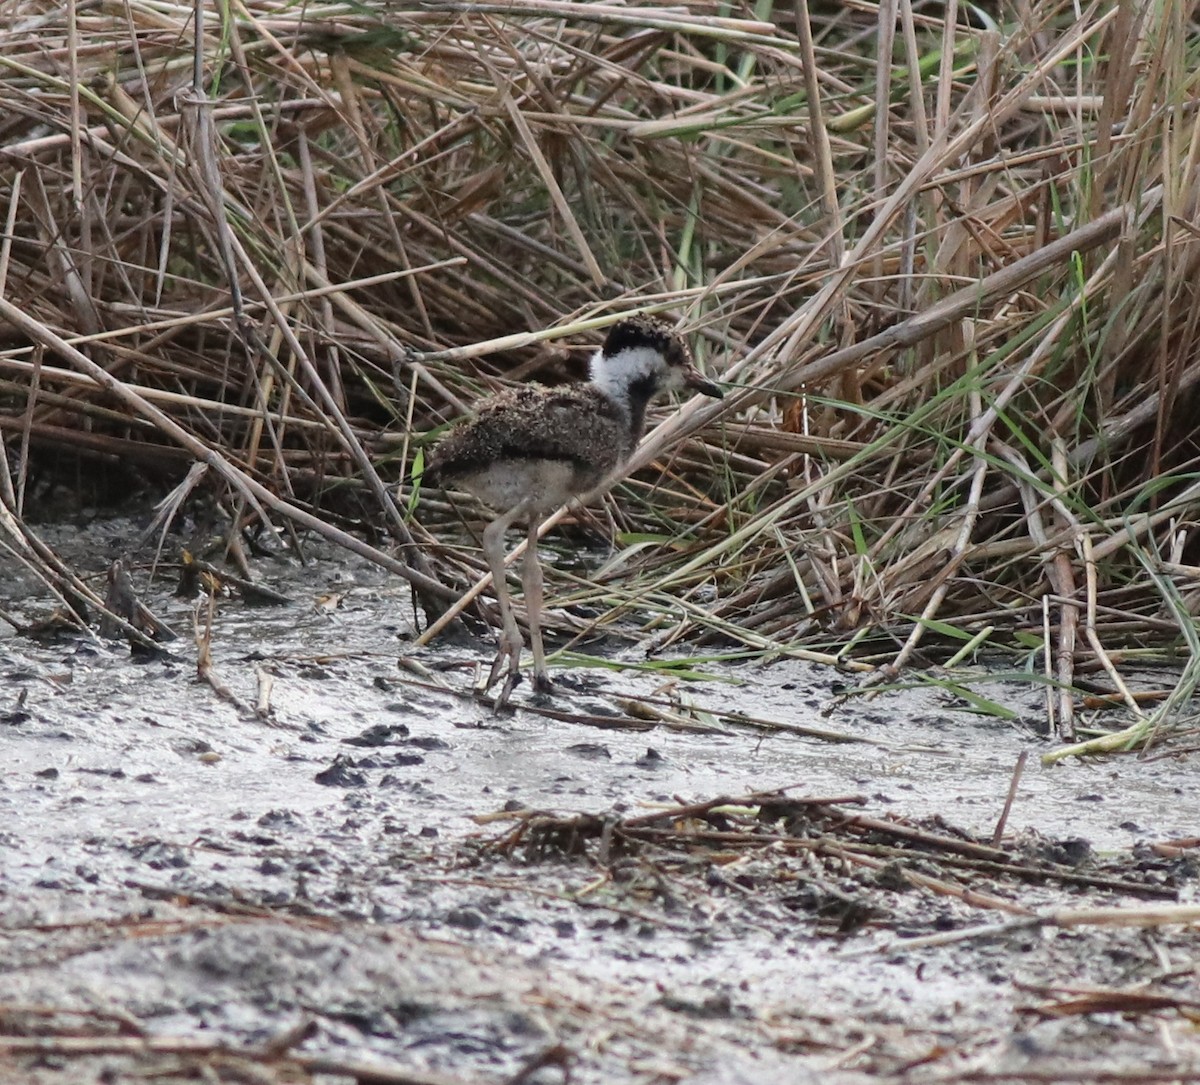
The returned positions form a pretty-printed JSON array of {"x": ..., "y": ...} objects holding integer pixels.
[
  {"x": 534, "y": 444},
  {"x": 504, "y": 484}
]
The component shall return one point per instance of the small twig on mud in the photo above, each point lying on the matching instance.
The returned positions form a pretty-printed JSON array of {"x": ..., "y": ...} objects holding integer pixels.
[
  {"x": 1024, "y": 871},
  {"x": 1143, "y": 917},
  {"x": 363, "y": 1073},
  {"x": 772, "y": 805},
  {"x": 237, "y": 911},
  {"x": 577, "y": 898},
  {"x": 1171, "y": 849},
  {"x": 266, "y": 682},
  {"x": 194, "y": 570},
  {"x": 589, "y": 719},
  {"x": 1019, "y": 768},
  {"x": 936, "y": 841},
  {"x": 1167, "y": 1075},
  {"x": 1147, "y": 916},
  {"x": 947, "y": 938},
  {"x": 670, "y": 718},
  {"x": 556, "y": 1055},
  {"x": 70, "y": 1046},
  {"x": 204, "y": 664},
  {"x": 1100, "y": 701},
  {"x": 584, "y": 719},
  {"x": 636, "y": 719},
  {"x": 760, "y": 723},
  {"x": 1077, "y": 1001},
  {"x": 126, "y": 1022},
  {"x": 6, "y": 617},
  {"x": 934, "y": 885},
  {"x": 280, "y": 1044}
]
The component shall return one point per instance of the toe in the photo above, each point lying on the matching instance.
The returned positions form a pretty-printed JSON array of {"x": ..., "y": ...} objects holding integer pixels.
[{"x": 511, "y": 681}]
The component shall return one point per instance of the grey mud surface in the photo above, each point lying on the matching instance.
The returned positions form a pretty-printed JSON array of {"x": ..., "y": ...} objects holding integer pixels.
[{"x": 171, "y": 869}]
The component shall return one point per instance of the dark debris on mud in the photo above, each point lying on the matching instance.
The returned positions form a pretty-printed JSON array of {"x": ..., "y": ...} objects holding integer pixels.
[
  {"x": 344, "y": 868},
  {"x": 842, "y": 869},
  {"x": 307, "y": 989}
]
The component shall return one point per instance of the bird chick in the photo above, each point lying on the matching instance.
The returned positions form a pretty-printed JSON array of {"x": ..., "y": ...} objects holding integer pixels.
[{"x": 528, "y": 450}]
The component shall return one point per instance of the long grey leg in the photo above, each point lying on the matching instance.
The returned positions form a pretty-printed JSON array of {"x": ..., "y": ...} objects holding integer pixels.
[
  {"x": 533, "y": 584},
  {"x": 510, "y": 636}
]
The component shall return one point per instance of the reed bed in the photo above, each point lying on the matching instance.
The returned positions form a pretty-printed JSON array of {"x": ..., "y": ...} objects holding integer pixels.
[{"x": 943, "y": 257}]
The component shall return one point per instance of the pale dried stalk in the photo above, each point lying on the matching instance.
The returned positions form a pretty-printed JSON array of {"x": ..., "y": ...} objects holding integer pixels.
[
  {"x": 915, "y": 329},
  {"x": 1068, "y": 612},
  {"x": 256, "y": 494},
  {"x": 1088, "y": 557},
  {"x": 959, "y": 549}
]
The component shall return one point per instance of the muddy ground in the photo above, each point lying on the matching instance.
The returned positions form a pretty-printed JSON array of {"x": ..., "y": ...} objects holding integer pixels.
[{"x": 189, "y": 892}]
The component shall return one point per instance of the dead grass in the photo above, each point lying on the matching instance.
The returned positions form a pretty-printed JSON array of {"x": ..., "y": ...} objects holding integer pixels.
[{"x": 960, "y": 332}]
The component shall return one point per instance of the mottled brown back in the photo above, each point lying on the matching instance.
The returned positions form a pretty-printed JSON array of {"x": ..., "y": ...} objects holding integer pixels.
[{"x": 577, "y": 425}]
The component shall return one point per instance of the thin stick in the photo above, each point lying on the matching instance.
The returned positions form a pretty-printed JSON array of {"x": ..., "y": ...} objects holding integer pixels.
[{"x": 1002, "y": 821}]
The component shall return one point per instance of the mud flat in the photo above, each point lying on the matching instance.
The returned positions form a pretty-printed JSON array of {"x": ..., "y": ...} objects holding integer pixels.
[{"x": 378, "y": 880}]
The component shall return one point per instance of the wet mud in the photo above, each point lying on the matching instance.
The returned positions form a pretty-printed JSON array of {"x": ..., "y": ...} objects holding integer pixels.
[{"x": 338, "y": 889}]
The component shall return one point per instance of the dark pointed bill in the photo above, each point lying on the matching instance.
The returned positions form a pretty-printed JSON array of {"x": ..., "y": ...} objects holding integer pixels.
[{"x": 698, "y": 382}]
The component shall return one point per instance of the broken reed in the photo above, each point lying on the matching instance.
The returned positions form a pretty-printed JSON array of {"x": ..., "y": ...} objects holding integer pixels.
[{"x": 945, "y": 260}]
